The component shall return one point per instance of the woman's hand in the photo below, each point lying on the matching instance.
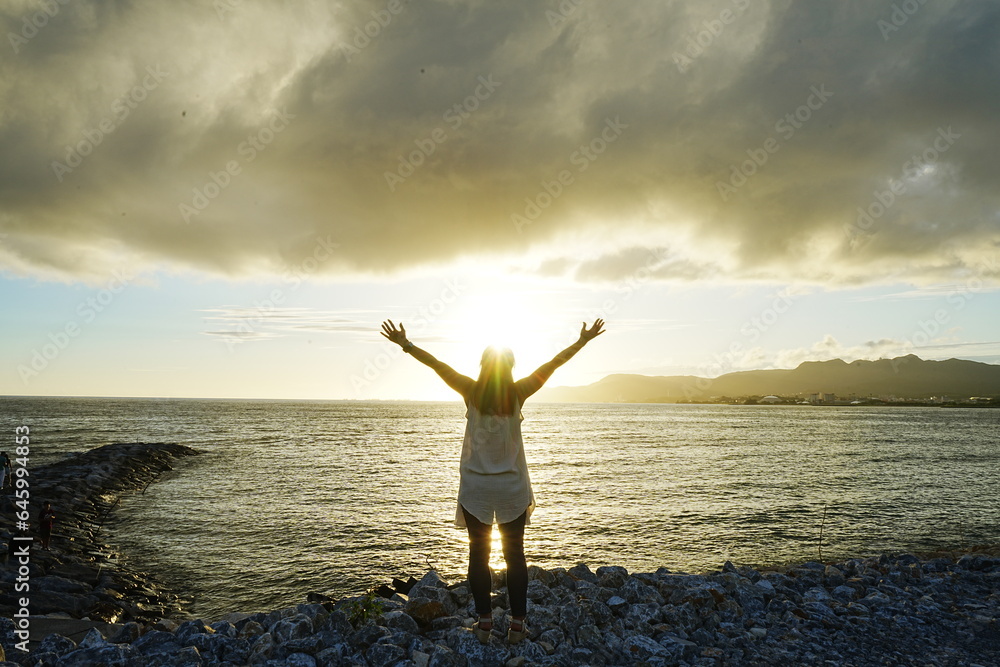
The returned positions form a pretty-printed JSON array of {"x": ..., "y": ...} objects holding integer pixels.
[
  {"x": 397, "y": 336},
  {"x": 593, "y": 332}
]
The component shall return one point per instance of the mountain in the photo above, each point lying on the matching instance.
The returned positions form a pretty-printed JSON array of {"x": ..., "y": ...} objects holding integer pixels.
[{"x": 909, "y": 377}]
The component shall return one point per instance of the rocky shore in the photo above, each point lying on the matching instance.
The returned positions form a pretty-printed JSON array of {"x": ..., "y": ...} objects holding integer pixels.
[
  {"x": 80, "y": 577},
  {"x": 885, "y": 610},
  {"x": 901, "y": 609}
]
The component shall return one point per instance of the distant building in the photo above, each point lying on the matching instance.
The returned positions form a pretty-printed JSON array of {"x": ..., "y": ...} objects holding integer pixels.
[{"x": 770, "y": 399}]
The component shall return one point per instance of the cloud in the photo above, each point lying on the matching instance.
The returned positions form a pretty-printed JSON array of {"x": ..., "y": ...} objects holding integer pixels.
[{"x": 780, "y": 141}]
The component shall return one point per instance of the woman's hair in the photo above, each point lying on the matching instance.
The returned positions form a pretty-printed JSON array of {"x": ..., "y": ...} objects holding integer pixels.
[{"x": 494, "y": 391}]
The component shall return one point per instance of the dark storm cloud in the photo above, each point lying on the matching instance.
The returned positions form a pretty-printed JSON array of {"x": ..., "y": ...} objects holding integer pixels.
[{"x": 834, "y": 142}]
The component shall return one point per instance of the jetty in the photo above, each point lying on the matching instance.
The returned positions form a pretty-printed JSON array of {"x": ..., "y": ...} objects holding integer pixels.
[{"x": 81, "y": 577}]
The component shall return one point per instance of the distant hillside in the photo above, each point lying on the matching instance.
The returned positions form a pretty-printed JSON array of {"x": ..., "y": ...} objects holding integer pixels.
[{"x": 908, "y": 376}]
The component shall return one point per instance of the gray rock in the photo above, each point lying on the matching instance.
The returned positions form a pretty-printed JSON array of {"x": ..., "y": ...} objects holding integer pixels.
[
  {"x": 300, "y": 660},
  {"x": 186, "y": 657},
  {"x": 611, "y": 576},
  {"x": 51, "y": 583},
  {"x": 155, "y": 641},
  {"x": 844, "y": 593},
  {"x": 56, "y": 643},
  {"x": 581, "y": 571},
  {"x": 644, "y": 648},
  {"x": 432, "y": 579},
  {"x": 445, "y": 657},
  {"x": 617, "y": 604},
  {"x": 251, "y": 629},
  {"x": 466, "y": 644},
  {"x": 311, "y": 644},
  {"x": 263, "y": 649},
  {"x": 385, "y": 654},
  {"x": 223, "y": 628},
  {"x": 126, "y": 634},
  {"x": 833, "y": 577},
  {"x": 553, "y": 636},
  {"x": 232, "y": 649},
  {"x": 398, "y": 620},
  {"x": 110, "y": 655},
  {"x": 294, "y": 627}
]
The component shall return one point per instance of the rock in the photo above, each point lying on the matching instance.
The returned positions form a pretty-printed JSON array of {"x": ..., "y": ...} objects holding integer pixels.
[
  {"x": 110, "y": 655},
  {"x": 57, "y": 584},
  {"x": 432, "y": 579},
  {"x": 425, "y": 610},
  {"x": 93, "y": 639},
  {"x": 765, "y": 588},
  {"x": 611, "y": 576},
  {"x": 644, "y": 648},
  {"x": 296, "y": 627},
  {"x": 300, "y": 660},
  {"x": 833, "y": 577},
  {"x": 251, "y": 629},
  {"x": 56, "y": 643},
  {"x": 581, "y": 571},
  {"x": 399, "y": 620},
  {"x": 384, "y": 654},
  {"x": 153, "y": 640},
  {"x": 617, "y": 604},
  {"x": 465, "y": 644}
]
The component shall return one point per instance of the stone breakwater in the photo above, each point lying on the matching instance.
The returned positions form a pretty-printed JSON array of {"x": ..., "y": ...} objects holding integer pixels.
[
  {"x": 80, "y": 577},
  {"x": 885, "y": 610}
]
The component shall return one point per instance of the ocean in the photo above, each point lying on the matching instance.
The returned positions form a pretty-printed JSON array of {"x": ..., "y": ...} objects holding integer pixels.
[{"x": 290, "y": 497}]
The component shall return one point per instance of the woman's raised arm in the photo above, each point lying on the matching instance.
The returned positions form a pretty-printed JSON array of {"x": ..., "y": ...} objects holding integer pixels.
[
  {"x": 460, "y": 383},
  {"x": 529, "y": 385}
]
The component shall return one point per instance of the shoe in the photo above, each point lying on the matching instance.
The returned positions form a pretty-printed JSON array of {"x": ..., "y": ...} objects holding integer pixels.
[
  {"x": 483, "y": 634},
  {"x": 515, "y": 636}
]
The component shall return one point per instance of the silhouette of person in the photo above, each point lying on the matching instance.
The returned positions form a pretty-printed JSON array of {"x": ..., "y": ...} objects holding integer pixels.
[
  {"x": 5, "y": 471},
  {"x": 46, "y": 518},
  {"x": 494, "y": 484}
]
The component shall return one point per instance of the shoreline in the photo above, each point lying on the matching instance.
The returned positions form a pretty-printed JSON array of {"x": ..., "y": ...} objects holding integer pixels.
[
  {"x": 937, "y": 608},
  {"x": 894, "y": 609},
  {"x": 81, "y": 576}
]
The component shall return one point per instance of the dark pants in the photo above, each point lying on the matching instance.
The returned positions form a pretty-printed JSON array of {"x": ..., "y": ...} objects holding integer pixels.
[{"x": 480, "y": 581}]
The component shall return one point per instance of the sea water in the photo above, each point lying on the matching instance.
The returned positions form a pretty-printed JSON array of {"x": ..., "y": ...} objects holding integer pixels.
[{"x": 289, "y": 497}]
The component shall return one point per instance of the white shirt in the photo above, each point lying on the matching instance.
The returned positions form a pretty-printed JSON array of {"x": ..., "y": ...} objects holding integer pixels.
[{"x": 494, "y": 482}]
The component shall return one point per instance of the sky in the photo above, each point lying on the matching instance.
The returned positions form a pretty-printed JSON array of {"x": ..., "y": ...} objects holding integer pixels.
[{"x": 225, "y": 199}]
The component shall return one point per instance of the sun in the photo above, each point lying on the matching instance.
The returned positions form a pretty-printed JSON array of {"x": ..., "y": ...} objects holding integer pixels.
[{"x": 515, "y": 320}]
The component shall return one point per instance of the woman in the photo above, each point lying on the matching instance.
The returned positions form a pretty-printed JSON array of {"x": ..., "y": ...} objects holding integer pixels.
[{"x": 494, "y": 483}]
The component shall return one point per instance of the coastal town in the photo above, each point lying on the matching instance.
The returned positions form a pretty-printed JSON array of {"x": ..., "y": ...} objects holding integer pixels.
[{"x": 826, "y": 398}]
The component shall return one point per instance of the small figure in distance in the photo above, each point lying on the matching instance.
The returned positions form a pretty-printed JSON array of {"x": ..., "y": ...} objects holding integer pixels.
[
  {"x": 5, "y": 472},
  {"x": 494, "y": 484},
  {"x": 45, "y": 520}
]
